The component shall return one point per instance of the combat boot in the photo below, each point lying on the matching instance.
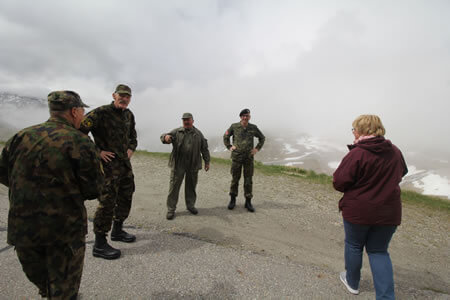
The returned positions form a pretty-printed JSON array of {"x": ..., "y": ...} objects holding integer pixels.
[
  {"x": 232, "y": 203},
  {"x": 103, "y": 249},
  {"x": 170, "y": 215},
  {"x": 118, "y": 234},
  {"x": 248, "y": 205}
]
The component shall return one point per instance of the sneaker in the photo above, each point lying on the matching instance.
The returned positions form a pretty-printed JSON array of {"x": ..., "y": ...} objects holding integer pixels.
[{"x": 343, "y": 277}]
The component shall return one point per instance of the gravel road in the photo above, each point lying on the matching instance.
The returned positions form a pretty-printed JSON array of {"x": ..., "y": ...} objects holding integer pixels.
[{"x": 292, "y": 247}]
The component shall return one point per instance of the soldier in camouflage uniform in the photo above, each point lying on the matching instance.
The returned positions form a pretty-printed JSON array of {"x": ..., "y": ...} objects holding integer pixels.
[
  {"x": 189, "y": 147},
  {"x": 51, "y": 169},
  {"x": 113, "y": 128},
  {"x": 242, "y": 155}
]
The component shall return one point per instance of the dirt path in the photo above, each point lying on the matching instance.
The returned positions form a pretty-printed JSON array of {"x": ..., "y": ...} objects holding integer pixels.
[{"x": 294, "y": 219}]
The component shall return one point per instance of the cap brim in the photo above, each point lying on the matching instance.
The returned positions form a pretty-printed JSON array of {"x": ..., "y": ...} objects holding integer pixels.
[{"x": 123, "y": 92}]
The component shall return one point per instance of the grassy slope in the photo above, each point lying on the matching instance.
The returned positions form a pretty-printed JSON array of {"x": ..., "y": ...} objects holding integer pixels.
[{"x": 407, "y": 196}]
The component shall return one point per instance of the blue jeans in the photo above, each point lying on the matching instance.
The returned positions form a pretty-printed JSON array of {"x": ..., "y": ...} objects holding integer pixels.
[{"x": 376, "y": 240}]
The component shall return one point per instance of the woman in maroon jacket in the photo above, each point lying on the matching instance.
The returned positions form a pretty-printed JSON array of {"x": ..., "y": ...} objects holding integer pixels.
[{"x": 369, "y": 176}]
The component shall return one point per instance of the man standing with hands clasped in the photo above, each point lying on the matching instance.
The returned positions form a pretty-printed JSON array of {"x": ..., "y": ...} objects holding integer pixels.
[
  {"x": 113, "y": 128},
  {"x": 242, "y": 156},
  {"x": 189, "y": 147}
]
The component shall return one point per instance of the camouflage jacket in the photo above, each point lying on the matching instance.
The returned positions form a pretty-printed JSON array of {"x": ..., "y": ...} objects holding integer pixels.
[
  {"x": 50, "y": 169},
  {"x": 243, "y": 139},
  {"x": 113, "y": 129},
  {"x": 199, "y": 147}
]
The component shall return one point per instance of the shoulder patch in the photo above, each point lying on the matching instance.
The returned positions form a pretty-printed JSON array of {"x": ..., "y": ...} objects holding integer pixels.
[{"x": 87, "y": 123}]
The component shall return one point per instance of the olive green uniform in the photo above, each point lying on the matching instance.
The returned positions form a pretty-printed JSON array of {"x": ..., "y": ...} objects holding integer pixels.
[
  {"x": 50, "y": 169},
  {"x": 241, "y": 157},
  {"x": 189, "y": 147},
  {"x": 113, "y": 130}
]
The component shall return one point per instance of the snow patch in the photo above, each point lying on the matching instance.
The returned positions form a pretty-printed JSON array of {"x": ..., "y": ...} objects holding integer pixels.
[
  {"x": 299, "y": 157},
  {"x": 412, "y": 170},
  {"x": 314, "y": 143},
  {"x": 289, "y": 149},
  {"x": 291, "y": 164},
  {"x": 433, "y": 184}
]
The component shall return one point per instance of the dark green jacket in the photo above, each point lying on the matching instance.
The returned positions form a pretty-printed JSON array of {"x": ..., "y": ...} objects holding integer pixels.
[
  {"x": 243, "y": 139},
  {"x": 50, "y": 169},
  {"x": 113, "y": 129},
  {"x": 199, "y": 148}
]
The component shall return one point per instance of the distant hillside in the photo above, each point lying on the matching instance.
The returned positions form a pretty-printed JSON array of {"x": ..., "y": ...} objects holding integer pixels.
[
  {"x": 21, "y": 101},
  {"x": 17, "y": 112}
]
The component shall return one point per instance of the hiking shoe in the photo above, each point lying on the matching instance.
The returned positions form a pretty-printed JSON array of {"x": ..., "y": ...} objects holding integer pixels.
[
  {"x": 118, "y": 234},
  {"x": 248, "y": 205},
  {"x": 170, "y": 215},
  {"x": 232, "y": 203},
  {"x": 103, "y": 249},
  {"x": 193, "y": 210},
  {"x": 343, "y": 277}
]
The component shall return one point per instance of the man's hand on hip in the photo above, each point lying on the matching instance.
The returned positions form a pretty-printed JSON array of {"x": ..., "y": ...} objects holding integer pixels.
[{"x": 107, "y": 156}]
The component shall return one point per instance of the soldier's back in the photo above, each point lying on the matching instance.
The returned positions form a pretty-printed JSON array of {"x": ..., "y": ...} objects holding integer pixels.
[{"x": 44, "y": 184}]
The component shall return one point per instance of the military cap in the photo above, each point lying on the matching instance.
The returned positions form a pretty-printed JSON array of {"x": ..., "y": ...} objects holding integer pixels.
[
  {"x": 123, "y": 89},
  {"x": 63, "y": 100},
  {"x": 187, "y": 116},
  {"x": 244, "y": 112}
]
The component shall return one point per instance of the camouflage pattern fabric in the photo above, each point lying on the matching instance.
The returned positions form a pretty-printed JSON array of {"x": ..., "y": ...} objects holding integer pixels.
[
  {"x": 56, "y": 270},
  {"x": 115, "y": 200},
  {"x": 113, "y": 129},
  {"x": 50, "y": 169},
  {"x": 236, "y": 171},
  {"x": 243, "y": 140}
]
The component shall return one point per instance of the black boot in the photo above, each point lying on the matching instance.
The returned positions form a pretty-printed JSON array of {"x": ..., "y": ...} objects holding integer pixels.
[
  {"x": 248, "y": 205},
  {"x": 232, "y": 203},
  {"x": 103, "y": 249},
  {"x": 117, "y": 233}
]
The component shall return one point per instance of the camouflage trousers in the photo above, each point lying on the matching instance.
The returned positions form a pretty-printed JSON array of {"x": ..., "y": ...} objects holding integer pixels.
[
  {"x": 117, "y": 193},
  {"x": 56, "y": 269},
  {"x": 176, "y": 179},
  {"x": 236, "y": 171}
]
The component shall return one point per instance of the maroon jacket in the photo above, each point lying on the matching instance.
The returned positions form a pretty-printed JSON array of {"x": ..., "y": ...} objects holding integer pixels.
[{"x": 369, "y": 176}]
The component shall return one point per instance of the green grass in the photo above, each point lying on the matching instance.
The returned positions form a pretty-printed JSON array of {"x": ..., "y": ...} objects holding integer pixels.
[
  {"x": 426, "y": 201},
  {"x": 409, "y": 197},
  {"x": 296, "y": 172},
  {"x": 154, "y": 154}
]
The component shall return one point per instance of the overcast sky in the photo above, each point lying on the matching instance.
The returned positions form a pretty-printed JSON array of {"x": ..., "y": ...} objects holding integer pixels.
[{"x": 300, "y": 66}]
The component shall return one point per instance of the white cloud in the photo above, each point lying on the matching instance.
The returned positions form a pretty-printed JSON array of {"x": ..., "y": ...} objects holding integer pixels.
[{"x": 311, "y": 67}]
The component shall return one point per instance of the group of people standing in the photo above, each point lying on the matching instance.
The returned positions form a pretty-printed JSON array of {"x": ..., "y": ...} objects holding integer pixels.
[
  {"x": 189, "y": 147},
  {"x": 53, "y": 167}
]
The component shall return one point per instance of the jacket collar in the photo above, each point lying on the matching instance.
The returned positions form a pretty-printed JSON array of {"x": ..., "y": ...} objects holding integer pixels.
[
  {"x": 60, "y": 120},
  {"x": 113, "y": 107}
]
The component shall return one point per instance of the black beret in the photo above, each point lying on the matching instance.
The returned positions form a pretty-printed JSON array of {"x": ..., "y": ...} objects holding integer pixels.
[{"x": 244, "y": 112}]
